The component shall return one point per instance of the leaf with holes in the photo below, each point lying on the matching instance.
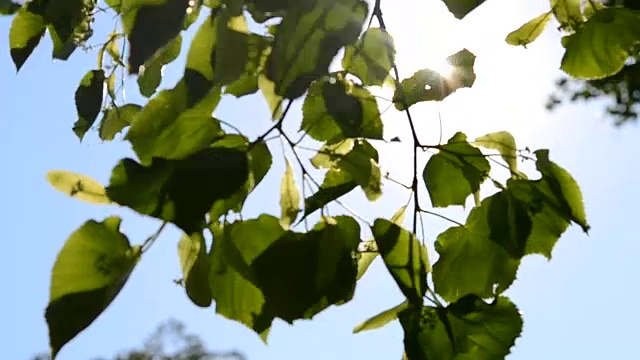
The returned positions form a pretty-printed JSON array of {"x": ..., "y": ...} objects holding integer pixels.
[
  {"x": 429, "y": 85},
  {"x": 90, "y": 270}
]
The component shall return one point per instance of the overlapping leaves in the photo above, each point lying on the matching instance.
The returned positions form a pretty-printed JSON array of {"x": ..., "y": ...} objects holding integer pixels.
[{"x": 191, "y": 173}]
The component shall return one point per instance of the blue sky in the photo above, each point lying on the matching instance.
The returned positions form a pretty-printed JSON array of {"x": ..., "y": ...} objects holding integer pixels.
[{"x": 579, "y": 305}]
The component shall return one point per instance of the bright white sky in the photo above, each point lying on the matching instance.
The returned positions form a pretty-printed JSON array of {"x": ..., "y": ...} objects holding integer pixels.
[{"x": 576, "y": 306}]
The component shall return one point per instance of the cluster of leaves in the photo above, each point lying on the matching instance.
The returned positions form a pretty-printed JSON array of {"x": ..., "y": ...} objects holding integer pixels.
[
  {"x": 602, "y": 39},
  {"x": 171, "y": 334},
  {"x": 622, "y": 89},
  {"x": 192, "y": 173}
]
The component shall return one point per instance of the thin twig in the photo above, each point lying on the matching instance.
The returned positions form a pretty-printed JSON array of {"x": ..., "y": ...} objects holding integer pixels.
[{"x": 151, "y": 239}]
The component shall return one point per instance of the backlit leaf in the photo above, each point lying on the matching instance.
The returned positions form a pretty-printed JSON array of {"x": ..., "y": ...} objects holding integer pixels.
[
  {"x": 530, "y": 31},
  {"x": 505, "y": 144},
  {"x": 362, "y": 164},
  {"x": 329, "y": 153},
  {"x": 89, "y": 96},
  {"x": 371, "y": 58},
  {"x": 195, "y": 268},
  {"x": 429, "y": 85},
  {"x": 179, "y": 191},
  {"x": 466, "y": 329},
  {"x": 116, "y": 119},
  {"x": 150, "y": 25},
  {"x": 150, "y": 75},
  {"x": 337, "y": 109},
  {"x": 603, "y": 44},
  {"x": 27, "y": 29},
  {"x": 470, "y": 263},
  {"x": 289, "y": 197},
  {"x": 167, "y": 128},
  {"x": 69, "y": 23},
  {"x": 455, "y": 172},
  {"x": 567, "y": 12},
  {"x": 336, "y": 184},
  {"x": 89, "y": 272},
  {"x": 307, "y": 40},
  {"x": 78, "y": 186},
  {"x": 405, "y": 258},
  {"x": 381, "y": 319}
]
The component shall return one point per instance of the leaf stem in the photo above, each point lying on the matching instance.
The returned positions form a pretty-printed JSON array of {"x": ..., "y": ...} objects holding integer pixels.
[{"x": 151, "y": 239}]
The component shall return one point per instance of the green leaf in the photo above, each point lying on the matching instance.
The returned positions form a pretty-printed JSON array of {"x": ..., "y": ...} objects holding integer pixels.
[
  {"x": 567, "y": 12},
  {"x": 336, "y": 184},
  {"x": 194, "y": 261},
  {"x": 324, "y": 269},
  {"x": 231, "y": 278},
  {"x": 258, "y": 48},
  {"x": 116, "y": 119},
  {"x": 505, "y": 144},
  {"x": 260, "y": 161},
  {"x": 466, "y": 329},
  {"x": 470, "y": 263},
  {"x": 337, "y": 109},
  {"x": 548, "y": 220},
  {"x": 168, "y": 128},
  {"x": 455, "y": 172},
  {"x": 179, "y": 191},
  {"x": 151, "y": 72},
  {"x": 89, "y": 272},
  {"x": 371, "y": 58},
  {"x": 460, "y": 8},
  {"x": 381, "y": 319},
  {"x": 308, "y": 39},
  {"x": 289, "y": 197},
  {"x": 505, "y": 220},
  {"x": 328, "y": 155},
  {"x": 530, "y": 31},
  {"x": 89, "y": 96},
  {"x": 405, "y": 258},
  {"x": 366, "y": 258},
  {"x": 78, "y": 186},
  {"x": 603, "y": 44},
  {"x": 69, "y": 23},
  {"x": 232, "y": 47},
  {"x": 150, "y": 25},
  {"x": 27, "y": 29},
  {"x": 274, "y": 101},
  {"x": 429, "y": 85},
  {"x": 8, "y": 7},
  {"x": 362, "y": 164},
  {"x": 564, "y": 187}
]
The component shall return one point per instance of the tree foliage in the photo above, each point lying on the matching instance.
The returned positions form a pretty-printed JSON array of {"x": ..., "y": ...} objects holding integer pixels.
[
  {"x": 621, "y": 90},
  {"x": 171, "y": 335},
  {"x": 196, "y": 171}
]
